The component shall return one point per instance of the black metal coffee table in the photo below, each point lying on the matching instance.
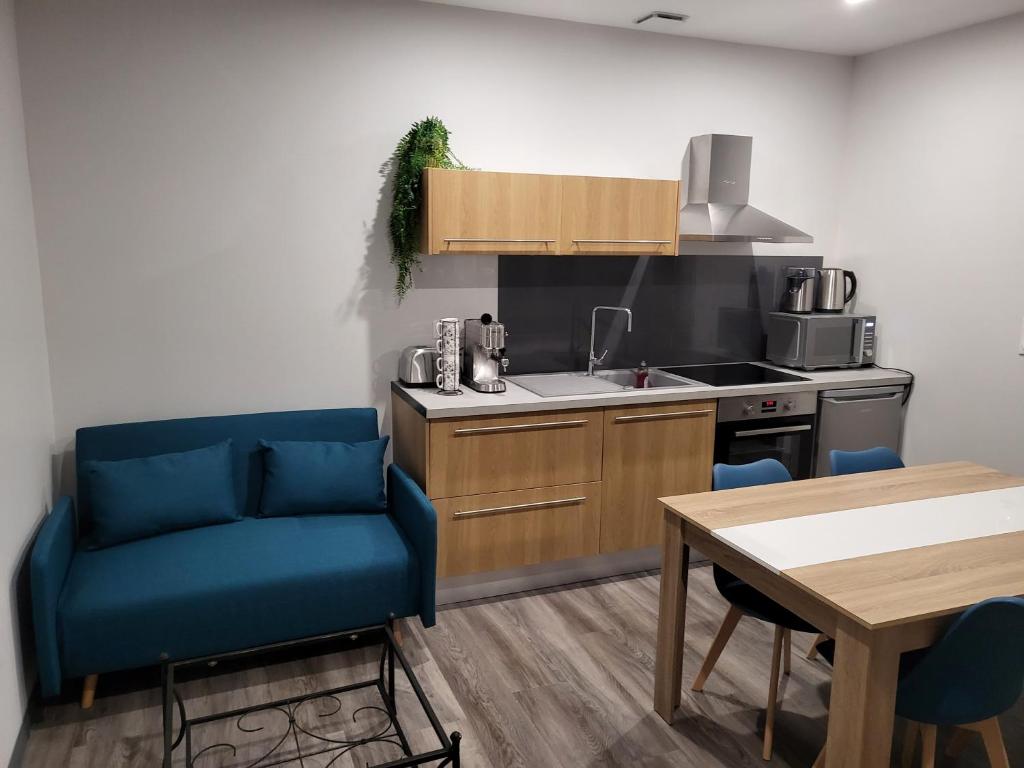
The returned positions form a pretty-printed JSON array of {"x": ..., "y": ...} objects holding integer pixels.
[{"x": 297, "y": 742}]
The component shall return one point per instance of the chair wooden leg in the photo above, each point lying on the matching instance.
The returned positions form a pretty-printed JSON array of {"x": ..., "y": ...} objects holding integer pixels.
[
  {"x": 773, "y": 694},
  {"x": 813, "y": 652},
  {"x": 717, "y": 646},
  {"x": 819, "y": 761},
  {"x": 89, "y": 691},
  {"x": 787, "y": 653},
  {"x": 992, "y": 736},
  {"x": 909, "y": 744},
  {"x": 929, "y": 734},
  {"x": 396, "y": 630},
  {"x": 958, "y": 743}
]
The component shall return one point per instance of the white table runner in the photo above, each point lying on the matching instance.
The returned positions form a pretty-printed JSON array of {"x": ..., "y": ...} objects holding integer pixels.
[{"x": 830, "y": 536}]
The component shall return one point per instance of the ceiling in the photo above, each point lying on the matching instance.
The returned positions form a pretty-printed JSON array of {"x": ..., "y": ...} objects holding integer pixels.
[{"x": 826, "y": 26}]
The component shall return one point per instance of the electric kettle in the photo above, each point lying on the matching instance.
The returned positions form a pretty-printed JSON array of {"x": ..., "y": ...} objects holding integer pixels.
[
  {"x": 801, "y": 283},
  {"x": 831, "y": 294}
]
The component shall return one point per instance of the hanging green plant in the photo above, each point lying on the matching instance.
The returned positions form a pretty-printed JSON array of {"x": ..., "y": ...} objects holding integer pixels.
[{"x": 424, "y": 146}]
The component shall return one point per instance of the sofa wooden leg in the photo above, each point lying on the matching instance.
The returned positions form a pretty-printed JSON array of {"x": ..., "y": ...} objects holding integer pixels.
[
  {"x": 396, "y": 630},
  {"x": 89, "y": 691}
]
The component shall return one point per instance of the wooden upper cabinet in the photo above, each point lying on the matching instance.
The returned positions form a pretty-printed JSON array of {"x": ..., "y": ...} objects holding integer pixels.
[
  {"x": 651, "y": 451},
  {"x": 488, "y": 212},
  {"x": 619, "y": 216}
]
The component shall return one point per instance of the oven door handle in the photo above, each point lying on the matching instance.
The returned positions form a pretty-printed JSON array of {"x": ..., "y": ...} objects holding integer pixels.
[{"x": 775, "y": 431}]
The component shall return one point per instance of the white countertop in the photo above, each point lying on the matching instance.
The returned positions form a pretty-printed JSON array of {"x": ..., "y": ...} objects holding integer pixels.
[{"x": 515, "y": 399}]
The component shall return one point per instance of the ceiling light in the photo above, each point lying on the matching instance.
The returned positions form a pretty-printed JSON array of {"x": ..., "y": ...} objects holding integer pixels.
[
  {"x": 855, "y": 2},
  {"x": 663, "y": 15}
]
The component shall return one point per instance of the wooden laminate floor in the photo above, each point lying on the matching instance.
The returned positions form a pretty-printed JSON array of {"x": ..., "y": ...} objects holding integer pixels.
[{"x": 558, "y": 678}]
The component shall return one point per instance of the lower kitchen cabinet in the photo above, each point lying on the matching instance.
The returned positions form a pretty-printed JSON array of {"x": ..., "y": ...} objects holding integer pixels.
[
  {"x": 651, "y": 452},
  {"x": 521, "y": 489},
  {"x": 492, "y": 531}
]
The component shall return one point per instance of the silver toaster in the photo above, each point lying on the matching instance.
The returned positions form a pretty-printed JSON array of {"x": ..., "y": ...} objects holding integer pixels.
[{"x": 417, "y": 366}]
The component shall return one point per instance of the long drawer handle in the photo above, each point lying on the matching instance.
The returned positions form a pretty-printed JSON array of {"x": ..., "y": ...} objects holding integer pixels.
[
  {"x": 521, "y": 427},
  {"x": 776, "y": 431},
  {"x": 519, "y": 507},
  {"x": 669, "y": 415},
  {"x": 494, "y": 240},
  {"x": 626, "y": 242}
]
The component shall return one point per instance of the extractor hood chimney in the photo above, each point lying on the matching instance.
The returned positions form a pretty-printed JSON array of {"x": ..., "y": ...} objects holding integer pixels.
[{"x": 717, "y": 179}]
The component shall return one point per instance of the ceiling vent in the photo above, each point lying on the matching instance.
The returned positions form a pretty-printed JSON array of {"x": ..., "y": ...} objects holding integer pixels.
[{"x": 658, "y": 18}]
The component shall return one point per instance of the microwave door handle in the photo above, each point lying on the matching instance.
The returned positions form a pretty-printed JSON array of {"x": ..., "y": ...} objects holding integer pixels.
[{"x": 858, "y": 345}]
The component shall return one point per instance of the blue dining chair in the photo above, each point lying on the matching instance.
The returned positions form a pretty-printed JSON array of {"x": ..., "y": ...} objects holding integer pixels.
[
  {"x": 967, "y": 679},
  {"x": 744, "y": 600},
  {"x": 870, "y": 460}
]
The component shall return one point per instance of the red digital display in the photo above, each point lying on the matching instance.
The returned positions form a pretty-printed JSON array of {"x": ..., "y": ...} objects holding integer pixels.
[{"x": 768, "y": 404}]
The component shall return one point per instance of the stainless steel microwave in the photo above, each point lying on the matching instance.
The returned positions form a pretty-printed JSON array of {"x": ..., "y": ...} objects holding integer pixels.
[{"x": 821, "y": 341}]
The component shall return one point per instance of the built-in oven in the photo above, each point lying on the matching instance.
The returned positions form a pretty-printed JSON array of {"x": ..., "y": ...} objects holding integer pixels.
[{"x": 778, "y": 427}]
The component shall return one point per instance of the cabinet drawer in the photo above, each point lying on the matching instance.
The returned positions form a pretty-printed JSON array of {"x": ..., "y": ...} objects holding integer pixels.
[
  {"x": 506, "y": 530},
  {"x": 487, "y": 454}
]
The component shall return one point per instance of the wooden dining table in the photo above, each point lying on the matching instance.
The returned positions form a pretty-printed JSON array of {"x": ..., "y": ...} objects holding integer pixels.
[{"x": 880, "y": 561}]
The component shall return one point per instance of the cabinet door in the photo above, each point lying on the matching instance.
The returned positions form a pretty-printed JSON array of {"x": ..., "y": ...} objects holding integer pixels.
[
  {"x": 494, "y": 531},
  {"x": 619, "y": 216},
  {"x": 486, "y": 212},
  {"x": 651, "y": 452}
]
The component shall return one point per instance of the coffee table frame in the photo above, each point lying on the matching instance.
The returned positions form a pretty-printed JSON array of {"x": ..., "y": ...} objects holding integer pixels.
[{"x": 446, "y": 754}]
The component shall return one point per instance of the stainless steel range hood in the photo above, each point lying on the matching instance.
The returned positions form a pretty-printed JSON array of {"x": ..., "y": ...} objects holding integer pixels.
[{"x": 717, "y": 171}]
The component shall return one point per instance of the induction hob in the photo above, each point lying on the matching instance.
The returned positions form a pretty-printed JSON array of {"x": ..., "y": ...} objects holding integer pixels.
[{"x": 732, "y": 374}]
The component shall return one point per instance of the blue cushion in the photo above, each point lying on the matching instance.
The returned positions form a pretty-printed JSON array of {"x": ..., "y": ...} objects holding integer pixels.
[
  {"x": 136, "y": 498},
  {"x": 149, "y": 438},
  {"x": 229, "y": 587},
  {"x": 307, "y": 478}
]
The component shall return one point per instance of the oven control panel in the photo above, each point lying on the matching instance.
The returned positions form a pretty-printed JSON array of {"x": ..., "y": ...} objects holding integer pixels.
[{"x": 750, "y": 407}]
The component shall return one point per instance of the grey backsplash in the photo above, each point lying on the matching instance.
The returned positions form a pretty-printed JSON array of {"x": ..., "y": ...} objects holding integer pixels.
[{"x": 686, "y": 310}]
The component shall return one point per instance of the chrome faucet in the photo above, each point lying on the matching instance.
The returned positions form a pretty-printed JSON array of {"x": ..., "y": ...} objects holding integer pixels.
[{"x": 594, "y": 360}]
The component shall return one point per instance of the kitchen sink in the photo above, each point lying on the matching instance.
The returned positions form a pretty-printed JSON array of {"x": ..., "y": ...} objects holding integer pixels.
[
  {"x": 655, "y": 378},
  {"x": 602, "y": 382}
]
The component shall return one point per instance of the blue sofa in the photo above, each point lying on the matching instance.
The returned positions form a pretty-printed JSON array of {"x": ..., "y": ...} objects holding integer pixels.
[{"x": 230, "y": 586}]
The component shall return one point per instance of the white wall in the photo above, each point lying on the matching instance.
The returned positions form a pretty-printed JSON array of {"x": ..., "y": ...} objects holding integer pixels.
[
  {"x": 933, "y": 224},
  {"x": 26, "y": 418},
  {"x": 207, "y": 186}
]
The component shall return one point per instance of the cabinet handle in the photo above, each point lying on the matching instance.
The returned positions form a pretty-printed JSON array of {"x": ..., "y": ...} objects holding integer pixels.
[
  {"x": 518, "y": 507},
  {"x": 669, "y": 415},
  {"x": 626, "y": 242},
  {"x": 493, "y": 240},
  {"x": 521, "y": 427}
]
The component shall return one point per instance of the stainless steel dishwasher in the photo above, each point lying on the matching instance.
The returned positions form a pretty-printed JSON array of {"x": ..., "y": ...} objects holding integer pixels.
[{"x": 855, "y": 419}]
